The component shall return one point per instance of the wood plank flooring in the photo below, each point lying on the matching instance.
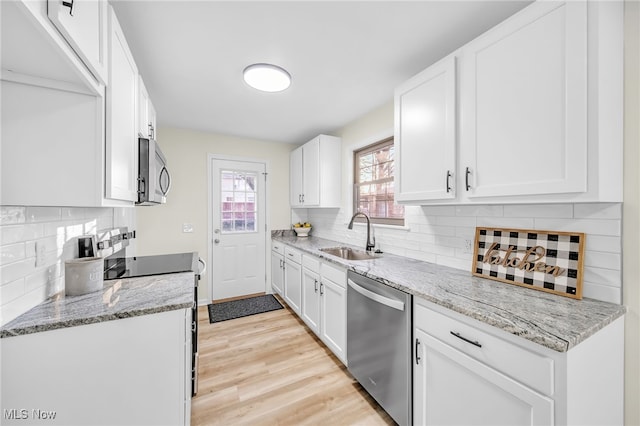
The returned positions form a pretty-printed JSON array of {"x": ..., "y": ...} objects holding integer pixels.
[{"x": 270, "y": 369}]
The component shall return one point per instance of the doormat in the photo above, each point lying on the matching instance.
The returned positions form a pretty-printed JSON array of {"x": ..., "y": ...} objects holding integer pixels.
[{"x": 242, "y": 308}]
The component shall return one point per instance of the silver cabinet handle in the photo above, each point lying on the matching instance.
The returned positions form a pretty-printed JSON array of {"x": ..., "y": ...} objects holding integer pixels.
[
  {"x": 417, "y": 352},
  {"x": 448, "y": 183},
  {"x": 321, "y": 287},
  {"x": 392, "y": 303},
  {"x": 69, "y": 4},
  {"x": 315, "y": 286},
  {"x": 466, "y": 178}
]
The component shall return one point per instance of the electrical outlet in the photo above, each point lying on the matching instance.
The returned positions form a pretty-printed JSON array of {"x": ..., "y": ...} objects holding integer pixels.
[
  {"x": 187, "y": 227},
  {"x": 468, "y": 246},
  {"x": 40, "y": 251}
]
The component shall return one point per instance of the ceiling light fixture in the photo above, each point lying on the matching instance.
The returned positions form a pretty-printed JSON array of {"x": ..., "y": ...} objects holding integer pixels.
[{"x": 267, "y": 77}]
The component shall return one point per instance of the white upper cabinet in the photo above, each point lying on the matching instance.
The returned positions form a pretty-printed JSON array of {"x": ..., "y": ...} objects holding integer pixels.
[
  {"x": 146, "y": 113},
  {"x": 83, "y": 23},
  {"x": 121, "y": 124},
  {"x": 538, "y": 112},
  {"x": 315, "y": 173},
  {"x": 55, "y": 59},
  {"x": 425, "y": 134},
  {"x": 524, "y": 104}
]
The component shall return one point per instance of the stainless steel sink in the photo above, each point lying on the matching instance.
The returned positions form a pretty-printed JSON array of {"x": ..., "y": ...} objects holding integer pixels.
[{"x": 349, "y": 253}]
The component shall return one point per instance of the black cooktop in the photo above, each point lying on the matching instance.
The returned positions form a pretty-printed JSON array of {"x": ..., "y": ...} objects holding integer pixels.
[{"x": 140, "y": 266}]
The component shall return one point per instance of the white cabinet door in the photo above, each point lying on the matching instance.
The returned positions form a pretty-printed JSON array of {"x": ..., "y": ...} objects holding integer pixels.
[
  {"x": 311, "y": 173},
  {"x": 311, "y": 299},
  {"x": 277, "y": 272},
  {"x": 315, "y": 173},
  {"x": 451, "y": 388},
  {"x": 143, "y": 109},
  {"x": 146, "y": 112},
  {"x": 122, "y": 372},
  {"x": 293, "y": 285},
  {"x": 523, "y": 89},
  {"x": 295, "y": 177},
  {"x": 425, "y": 134},
  {"x": 334, "y": 317},
  {"x": 121, "y": 135},
  {"x": 83, "y": 23}
]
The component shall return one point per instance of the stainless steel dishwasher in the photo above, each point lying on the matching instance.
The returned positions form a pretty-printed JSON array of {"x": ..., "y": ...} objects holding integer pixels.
[{"x": 379, "y": 343}]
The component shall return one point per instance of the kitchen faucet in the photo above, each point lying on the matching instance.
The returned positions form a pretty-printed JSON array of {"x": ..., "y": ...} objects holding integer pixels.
[{"x": 371, "y": 242}]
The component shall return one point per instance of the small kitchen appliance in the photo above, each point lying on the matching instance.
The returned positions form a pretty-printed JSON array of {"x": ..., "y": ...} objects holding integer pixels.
[{"x": 154, "y": 180}]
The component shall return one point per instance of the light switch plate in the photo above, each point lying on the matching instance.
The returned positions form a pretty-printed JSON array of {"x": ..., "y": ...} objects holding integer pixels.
[{"x": 187, "y": 227}]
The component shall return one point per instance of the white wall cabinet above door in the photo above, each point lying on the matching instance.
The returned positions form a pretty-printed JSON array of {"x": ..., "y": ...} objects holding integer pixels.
[
  {"x": 83, "y": 23},
  {"x": 315, "y": 173},
  {"x": 425, "y": 134},
  {"x": 121, "y": 122}
]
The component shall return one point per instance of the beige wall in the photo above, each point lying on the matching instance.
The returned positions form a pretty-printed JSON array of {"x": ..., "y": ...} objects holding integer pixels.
[
  {"x": 631, "y": 213},
  {"x": 160, "y": 227}
]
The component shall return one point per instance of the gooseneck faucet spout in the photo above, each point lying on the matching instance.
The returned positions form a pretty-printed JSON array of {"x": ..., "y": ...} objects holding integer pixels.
[{"x": 371, "y": 241}]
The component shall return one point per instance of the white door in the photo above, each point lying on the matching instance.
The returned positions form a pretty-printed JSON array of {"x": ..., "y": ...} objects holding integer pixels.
[
  {"x": 239, "y": 231},
  {"x": 311, "y": 299},
  {"x": 334, "y": 317}
]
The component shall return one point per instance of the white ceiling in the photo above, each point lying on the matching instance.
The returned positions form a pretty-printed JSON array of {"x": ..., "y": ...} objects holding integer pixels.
[{"x": 345, "y": 57}]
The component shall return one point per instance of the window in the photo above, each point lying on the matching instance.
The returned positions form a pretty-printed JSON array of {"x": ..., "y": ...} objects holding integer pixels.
[
  {"x": 238, "y": 201},
  {"x": 374, "y": 191}
]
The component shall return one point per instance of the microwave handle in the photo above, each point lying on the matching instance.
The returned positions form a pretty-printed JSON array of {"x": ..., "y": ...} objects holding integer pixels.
[{"x": 164, "y": 170}]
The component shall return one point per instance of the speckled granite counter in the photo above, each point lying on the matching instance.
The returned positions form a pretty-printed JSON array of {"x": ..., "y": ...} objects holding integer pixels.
[
  {"x": 556, "y": 322},
  {"x": 121, "y": 298}
]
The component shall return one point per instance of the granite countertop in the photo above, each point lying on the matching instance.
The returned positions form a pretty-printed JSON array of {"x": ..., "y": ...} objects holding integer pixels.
[
  {"x": 553, "y": 321},
  {"x": 120, "y": 298}
]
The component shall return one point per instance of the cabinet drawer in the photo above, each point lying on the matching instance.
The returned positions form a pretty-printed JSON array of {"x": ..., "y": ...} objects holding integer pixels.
[
  {"x": 311, "y": 263},
  {"x": 529, "y": 368},
  {"x": 278, "y": 247},
  {"x": 335, "y": 274},
  {"x": 292, "y": 254}
]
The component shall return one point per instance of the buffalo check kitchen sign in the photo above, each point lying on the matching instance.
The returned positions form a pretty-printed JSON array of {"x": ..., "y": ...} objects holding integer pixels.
[{"x": 549, "y": 261}]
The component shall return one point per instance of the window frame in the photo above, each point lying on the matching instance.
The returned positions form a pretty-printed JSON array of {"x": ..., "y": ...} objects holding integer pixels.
[{"x": 357, "y": 153}]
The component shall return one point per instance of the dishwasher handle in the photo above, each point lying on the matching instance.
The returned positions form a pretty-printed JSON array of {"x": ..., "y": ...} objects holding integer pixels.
[{"x": 392, "y": 303}]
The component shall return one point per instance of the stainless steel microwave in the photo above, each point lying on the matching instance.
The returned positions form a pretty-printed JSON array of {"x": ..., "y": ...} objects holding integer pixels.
[{"x": 154, "y": 180}]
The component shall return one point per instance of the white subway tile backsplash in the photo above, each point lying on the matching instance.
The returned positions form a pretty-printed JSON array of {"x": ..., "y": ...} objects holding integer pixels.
[
  {"x": 603, "y": 243},
  {"x": 12, "y": 253},
  {"x": 598, "y": 211},
  {"x": 42, "y": 214},
  {"x": 539, "y": 210},
  {"x": 609, "y": 227},
  {"x": 55, "y": 228},
  {"x": 506, "y": 222},
  {"x": 480, "y": 210},
  {"x": 440, "y": 232},
  {"x": 11, "y": 215},
  {"x": 11, "y": 291},
  {"x": 17, "y": 233},
  {"x": 604, "y": 260}
]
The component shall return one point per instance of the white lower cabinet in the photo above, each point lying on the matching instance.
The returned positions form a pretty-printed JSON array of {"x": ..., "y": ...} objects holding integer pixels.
[
  {"x": 277, "y": 267},
  {"x": 122, "y": 372},
  {"x": 466, "y": 372},
  {"x": 293, "y": 279},
  {"x": 324, "y": 303}
]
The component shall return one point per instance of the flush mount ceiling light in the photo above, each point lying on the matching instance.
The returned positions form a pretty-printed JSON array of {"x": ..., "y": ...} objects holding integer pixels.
[{"x": 267, "y": 77}]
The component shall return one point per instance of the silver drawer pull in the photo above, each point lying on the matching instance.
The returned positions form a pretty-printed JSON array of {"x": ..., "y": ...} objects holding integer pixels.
[{"x": 459, "y": 336}]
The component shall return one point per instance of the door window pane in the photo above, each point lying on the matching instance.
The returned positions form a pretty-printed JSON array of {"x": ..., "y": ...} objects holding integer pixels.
[{"x": 238, "y": 196}]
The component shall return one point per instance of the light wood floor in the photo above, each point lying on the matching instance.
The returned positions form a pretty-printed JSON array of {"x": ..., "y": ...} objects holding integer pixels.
[{"x": 269, "y": 369}]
